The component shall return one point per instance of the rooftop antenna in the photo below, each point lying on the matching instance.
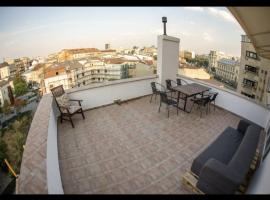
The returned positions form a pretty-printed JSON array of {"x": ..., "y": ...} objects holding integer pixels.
[{"x": 164, "y": 20}]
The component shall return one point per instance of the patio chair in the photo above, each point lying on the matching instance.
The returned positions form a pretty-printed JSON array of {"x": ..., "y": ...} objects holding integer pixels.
[
  {"x": 213, "y": 96},
  {"x": 213, "y": 99},
  {"x": 180, "y": 81},
  {"x": 202, "y": 102},
  {"x": 156, "y": 90},
  {"x": 67, "y": 107},
  {"x": 168, "y": 101},
  {"x": 169, "y": 85}
]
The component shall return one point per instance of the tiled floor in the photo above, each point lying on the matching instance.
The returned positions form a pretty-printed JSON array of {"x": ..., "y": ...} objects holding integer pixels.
[{"x": 131, "y": 148}]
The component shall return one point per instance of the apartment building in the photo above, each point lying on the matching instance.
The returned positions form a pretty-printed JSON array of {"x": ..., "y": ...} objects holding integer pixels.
[
  {"x": 4, "y": 70},
  {"x": 71, "y": 54},
  {"x": 254, "y": 73},
  {"x": 227, "y": 69},
  {"x": 55, "y": 76},
  {"x": 215, "y": 56},
  {"x": 5, "y": 92}
]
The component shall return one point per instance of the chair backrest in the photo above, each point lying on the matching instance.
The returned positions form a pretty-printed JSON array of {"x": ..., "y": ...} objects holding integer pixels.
[
  {"x": 58, "y": 91},
  {"x": 206, "y": 100},
  {"x": 179, "y": 81},
  {"x": 153, "y": 86},
  {"x": 214, "y": 96}
]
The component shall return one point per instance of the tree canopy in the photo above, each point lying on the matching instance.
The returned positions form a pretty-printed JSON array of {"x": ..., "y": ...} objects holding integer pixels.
[{"x": 20, "y": 85}]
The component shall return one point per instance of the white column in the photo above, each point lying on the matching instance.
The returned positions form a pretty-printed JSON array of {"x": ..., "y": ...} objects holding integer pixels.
[{"x": 167, "y": 58}]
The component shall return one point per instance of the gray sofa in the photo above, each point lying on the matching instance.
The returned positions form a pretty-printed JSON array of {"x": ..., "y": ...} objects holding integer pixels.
[{"x": 223, "y": 165}]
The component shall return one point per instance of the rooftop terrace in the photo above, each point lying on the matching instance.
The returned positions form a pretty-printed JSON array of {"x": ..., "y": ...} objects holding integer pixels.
[{"x": 131, "y": 148}]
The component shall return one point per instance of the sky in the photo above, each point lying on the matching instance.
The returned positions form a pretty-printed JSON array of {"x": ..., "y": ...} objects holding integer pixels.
[{"x": 40, "y": 31}]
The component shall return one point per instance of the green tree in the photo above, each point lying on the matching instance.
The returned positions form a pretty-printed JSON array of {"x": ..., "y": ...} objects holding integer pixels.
[
  {"x": 20, "y": 85},
  {"x": 3, "y": 149},
  {"x": 6, "y": 108}
]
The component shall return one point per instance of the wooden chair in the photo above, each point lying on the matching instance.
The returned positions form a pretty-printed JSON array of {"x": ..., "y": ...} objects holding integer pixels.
[{"x": 67, "y": 107}]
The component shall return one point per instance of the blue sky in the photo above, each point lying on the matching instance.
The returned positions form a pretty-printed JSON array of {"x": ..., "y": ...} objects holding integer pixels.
[{"x": 40, "y": 31}]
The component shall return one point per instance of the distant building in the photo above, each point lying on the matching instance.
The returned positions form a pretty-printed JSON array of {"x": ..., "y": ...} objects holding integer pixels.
[
  {"x": 227, "y": 69},
  {"x": 71, "y": 54},
  {"x": 254, "y": 76},
  {"x": 5, "y": 92},
  {"x": 55, "y": 76},
  {"x": 215, "y": 56},
  {"x": 107, "y": 46},
  {"x": 4, "y": 70}
]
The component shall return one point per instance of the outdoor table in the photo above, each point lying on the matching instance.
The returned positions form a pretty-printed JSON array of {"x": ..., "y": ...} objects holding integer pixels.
[{"x": 189, "y": 90}]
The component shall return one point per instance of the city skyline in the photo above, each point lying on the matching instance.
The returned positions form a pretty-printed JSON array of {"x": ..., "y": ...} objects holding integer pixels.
[{"x": 42, "y": 31}]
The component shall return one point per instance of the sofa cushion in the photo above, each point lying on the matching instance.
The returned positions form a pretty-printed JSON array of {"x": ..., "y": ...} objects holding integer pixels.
[
  {"x": 243, "y": 156},
  {"x": 221, "y": 149}
]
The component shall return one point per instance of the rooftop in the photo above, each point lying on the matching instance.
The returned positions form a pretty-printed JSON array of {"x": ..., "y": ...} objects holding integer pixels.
[{"x": 131, "y": 148}]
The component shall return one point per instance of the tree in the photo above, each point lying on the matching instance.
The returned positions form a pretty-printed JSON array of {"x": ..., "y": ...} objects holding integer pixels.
[
  {"x": 3, "y": 149},
  {"x": 6, "y": 108},
  {"x": 20, "y": 85}
]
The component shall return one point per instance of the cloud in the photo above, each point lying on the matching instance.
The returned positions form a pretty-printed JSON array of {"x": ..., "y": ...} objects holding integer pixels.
[
  {"x": 223, "y": 14},
  {"x": 207, "y": 37},
  {"x": 194, "y": 8}
]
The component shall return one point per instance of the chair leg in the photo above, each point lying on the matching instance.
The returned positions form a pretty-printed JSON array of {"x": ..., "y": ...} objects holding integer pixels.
[
  {"x": 151, "y": 98},
  {"x": 168, "y": 111},
  {"x": 71, "y": 121},
  {"x": 159, "y": 107},
  {"x": 83, "y": 114}
]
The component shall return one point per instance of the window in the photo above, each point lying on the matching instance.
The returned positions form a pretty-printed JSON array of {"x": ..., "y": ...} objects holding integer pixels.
[
  {"x": 98, "y": 71},
  {"x": 83, "y": 82},
  {"x": 262, "y": 71},
  {"x": 56, "y": 73},
  {"x": 251, "y": 69},
  {"x": 82, "y": 74},
  {"x": 105, "y": 70},
  {"x": 51, "y": 86},
  {"x": 265, "y": 72},
  {"x": 252, "y": 55},
  {"x": 249, "y": 83}
]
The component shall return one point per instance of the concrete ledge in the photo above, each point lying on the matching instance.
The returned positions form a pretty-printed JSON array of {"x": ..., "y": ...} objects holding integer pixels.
[
  {"x": 169, "y": 38},
  {"x": 109, "y": 83},
  {"x": 40, "y": 172},
  {"x": 223, "y": 89}
]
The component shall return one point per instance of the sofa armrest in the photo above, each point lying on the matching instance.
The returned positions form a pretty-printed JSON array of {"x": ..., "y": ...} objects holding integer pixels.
[
  {"x": 242, "y": 126},
  {"x": 217, "y": 178}
]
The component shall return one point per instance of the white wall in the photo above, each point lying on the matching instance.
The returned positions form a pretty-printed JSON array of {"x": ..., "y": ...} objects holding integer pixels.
[
  {"x": 54, "y": 182},
  {"x": 168, "y": 58},
  {"x": 260, "y": 182},
  {"x": 237, "y": 104},
  {"x": 105, "y": 93}
]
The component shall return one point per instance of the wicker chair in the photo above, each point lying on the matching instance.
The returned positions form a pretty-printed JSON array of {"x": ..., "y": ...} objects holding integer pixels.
[{"x": 67, "y": 107}]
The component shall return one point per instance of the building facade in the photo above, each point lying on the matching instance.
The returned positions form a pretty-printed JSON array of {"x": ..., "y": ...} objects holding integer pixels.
[
  {"x": 227, "y": 69},
  {"x": 254, "y": 73},
  {"x": 4, "y": 70}
]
